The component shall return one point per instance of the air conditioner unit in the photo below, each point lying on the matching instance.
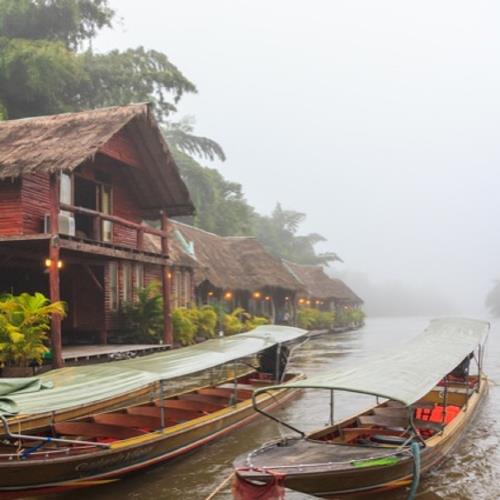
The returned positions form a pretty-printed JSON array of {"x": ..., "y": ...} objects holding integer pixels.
[{"x": 66, "y": 224}]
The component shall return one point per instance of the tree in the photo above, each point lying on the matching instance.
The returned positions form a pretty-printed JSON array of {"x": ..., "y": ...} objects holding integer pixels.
[
  {"x": 71, "y": 22},
  {"x": 279, "y": 234},
  {"x": 493, "y": 300},
  {"x": 42, "y": 70},
  {"x": 221, "y": 207}
]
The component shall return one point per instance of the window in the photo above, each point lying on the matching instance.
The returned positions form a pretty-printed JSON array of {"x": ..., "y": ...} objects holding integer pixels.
[
  {"x": 127, "y": 282},
  {"x": 66, "y": 189},
  {"x": 139, "y": 276},
  {"x": 105, "y": 208},
  {"x": 113, "y": 286},
  {"x": 138, "y": 279}
]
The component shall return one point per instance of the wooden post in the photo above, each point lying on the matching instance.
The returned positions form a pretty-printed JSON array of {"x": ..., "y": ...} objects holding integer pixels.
[
  {"x": 54, "y": 253},
  {"x": 168, "y": 337}
]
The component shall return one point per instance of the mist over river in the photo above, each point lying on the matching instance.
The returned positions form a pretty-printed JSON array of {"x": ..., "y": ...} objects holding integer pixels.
[{"x": 472, "y": 472}]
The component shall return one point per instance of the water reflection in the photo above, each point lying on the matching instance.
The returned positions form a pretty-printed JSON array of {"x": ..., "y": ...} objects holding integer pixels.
[{"x": 472, "y": 472}]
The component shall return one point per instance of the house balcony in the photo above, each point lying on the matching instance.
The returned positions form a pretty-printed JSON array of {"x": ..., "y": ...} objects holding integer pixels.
[{"x": 110, "y": 235}]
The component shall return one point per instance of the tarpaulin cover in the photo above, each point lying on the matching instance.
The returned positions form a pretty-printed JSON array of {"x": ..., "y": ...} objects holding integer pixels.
[
  {"x": 80, "y": 385},
  {"x": 409, "y": 372}
]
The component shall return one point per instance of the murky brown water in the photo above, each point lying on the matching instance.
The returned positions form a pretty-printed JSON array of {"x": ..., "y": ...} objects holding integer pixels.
[{"x": 473, "y": 472}]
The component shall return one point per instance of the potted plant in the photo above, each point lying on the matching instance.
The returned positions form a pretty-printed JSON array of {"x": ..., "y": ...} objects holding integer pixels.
[{"x": 24, "y": 325}]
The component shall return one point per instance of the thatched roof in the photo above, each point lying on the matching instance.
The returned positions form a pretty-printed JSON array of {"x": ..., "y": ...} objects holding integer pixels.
[
  {"x": 63, "y": 142},
  {"x": 235, "y": 263},
  {"x": 176, "y": 251},
  {"x": 320, "y": 286}
]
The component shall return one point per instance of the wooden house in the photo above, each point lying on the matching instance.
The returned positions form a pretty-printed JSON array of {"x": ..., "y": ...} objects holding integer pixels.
[
  {"x": 322, "y": 291},
  {"x": 238, "y": 272},
  {"x": 74, "y": 191}
]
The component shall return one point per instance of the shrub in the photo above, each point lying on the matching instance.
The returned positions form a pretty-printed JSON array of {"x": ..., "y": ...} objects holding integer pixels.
[
  {"x": 24, "y": 324},
  {"x": 233, "y": 322},
  {"x": 314, "y": 319},
  {"x": 145, "y": 316},
  {"x": 207, "y": 321},
  {"x": 184, "y": 325}
]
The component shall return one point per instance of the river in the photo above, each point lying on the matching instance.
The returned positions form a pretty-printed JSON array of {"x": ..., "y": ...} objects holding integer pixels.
[{"x": 472, "y": 472}]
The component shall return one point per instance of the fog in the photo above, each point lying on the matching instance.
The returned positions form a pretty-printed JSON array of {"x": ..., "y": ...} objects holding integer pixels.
[{"x": 380, "y": 120}]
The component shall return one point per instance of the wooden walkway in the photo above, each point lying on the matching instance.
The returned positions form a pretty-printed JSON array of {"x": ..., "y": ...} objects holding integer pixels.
[{"x": 80, "y": 353}]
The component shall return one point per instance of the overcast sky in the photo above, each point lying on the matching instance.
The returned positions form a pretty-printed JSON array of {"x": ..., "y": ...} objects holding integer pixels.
[{"x": 378, "y": 119}]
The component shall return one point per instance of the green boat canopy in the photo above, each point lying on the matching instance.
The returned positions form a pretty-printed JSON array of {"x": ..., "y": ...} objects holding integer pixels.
[
  {"x": 80, "y": 385},
  {"x": 409, "y": 372}
]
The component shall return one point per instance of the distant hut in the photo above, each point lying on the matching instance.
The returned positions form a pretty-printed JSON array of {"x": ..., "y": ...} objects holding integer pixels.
[
  {"x": 74, "y": 191},
  {"x": 322, "y": 291},
  {"x": 239, "y": 272}
]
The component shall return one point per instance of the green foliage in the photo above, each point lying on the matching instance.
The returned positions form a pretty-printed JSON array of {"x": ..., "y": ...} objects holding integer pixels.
[
  {"x": 207, "y": 321},
  {"x": 309, "y": 318},
  {"x": 42, "y": 72},
  {"x": 184, "y": 325},
  {"x": 179, "y": 136},
  {"x": 37, "y": 77},
  {"x": 350, "y": 317},
  {"x": 221, "y": 207},
  {"x": 145, "y": 315},
  {"x": 24, "y": 324},
  {"x": 233, "y": 322},
  {"x": 70, "y": 22},
  {"x": 278, "y": 233},
  {"x": 135, "y": 75}
]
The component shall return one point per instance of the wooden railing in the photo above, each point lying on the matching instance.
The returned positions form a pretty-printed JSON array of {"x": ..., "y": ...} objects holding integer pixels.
[{"x": 99, "y": 217}]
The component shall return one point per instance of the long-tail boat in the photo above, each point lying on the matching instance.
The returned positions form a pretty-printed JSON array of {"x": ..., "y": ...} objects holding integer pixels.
[
  {"x": 427, "y": 393},
  {"x": 105, "y": 446},
  {"x": 79, "y": 391}
]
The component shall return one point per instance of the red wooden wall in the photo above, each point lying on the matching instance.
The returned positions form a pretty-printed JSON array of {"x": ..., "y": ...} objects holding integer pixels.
[{"x": 10, "y": 207}]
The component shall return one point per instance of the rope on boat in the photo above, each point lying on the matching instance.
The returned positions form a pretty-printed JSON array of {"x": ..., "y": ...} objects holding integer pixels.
[
  {"x": 26, "y": 453},
  {"x": 415, "y": 450},
  {"x": 220, "y": 487}
]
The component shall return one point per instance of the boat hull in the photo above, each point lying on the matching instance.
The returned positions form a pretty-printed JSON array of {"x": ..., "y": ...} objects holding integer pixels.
[
  {"x": 40, "y": 476},
  {"x": 332, "y": 481}
]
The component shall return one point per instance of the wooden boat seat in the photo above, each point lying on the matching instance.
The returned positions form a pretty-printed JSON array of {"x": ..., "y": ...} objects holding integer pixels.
[
  {"x": 384, "y": 421},
  {"x": 190, "y": 405},
  {"x": 90, "y": 430},
  {"x": 144, "y": 422},
  {"x": 260, "y": 381},
  {"x": 203, "y": 398},
  {"x": 181, "y": 414},
  {"x": 225, "y": 393},
  {"x": 392, "y": 411},
  {"x": 150, "y": 411},
  {"x": 244, "y": 387},
  {"x": 424, "y": 424}
]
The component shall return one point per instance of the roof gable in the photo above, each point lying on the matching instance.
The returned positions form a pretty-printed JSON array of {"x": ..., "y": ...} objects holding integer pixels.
[{"x": 65, "y": 141}]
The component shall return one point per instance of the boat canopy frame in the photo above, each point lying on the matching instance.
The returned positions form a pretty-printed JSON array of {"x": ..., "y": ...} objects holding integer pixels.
[
  {"x": 76, "y": 386},
  {"x": 438, "y": 351}
]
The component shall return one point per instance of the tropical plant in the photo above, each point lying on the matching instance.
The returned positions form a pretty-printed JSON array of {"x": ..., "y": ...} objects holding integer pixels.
[
  {"x": 255, "y": 321},
  {"x": 183, "y": 325},
  {"x": 350, "y": 317},
  {"x": 24, "y": 327},
  {"x": 144, "y": 316},
  {"x": 207, "y": 321},
  {"x": 233, "y": 322},
  {"x": 314, "y": 319}
]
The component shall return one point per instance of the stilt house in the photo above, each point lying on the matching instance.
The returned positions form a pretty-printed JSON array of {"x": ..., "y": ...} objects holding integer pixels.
[
  {"x": 74, "y": 191},
  {"x": 239, "y": 272}
]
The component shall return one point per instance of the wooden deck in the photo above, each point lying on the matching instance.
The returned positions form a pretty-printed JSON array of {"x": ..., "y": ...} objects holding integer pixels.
[{"x": 80, "y": 353}]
